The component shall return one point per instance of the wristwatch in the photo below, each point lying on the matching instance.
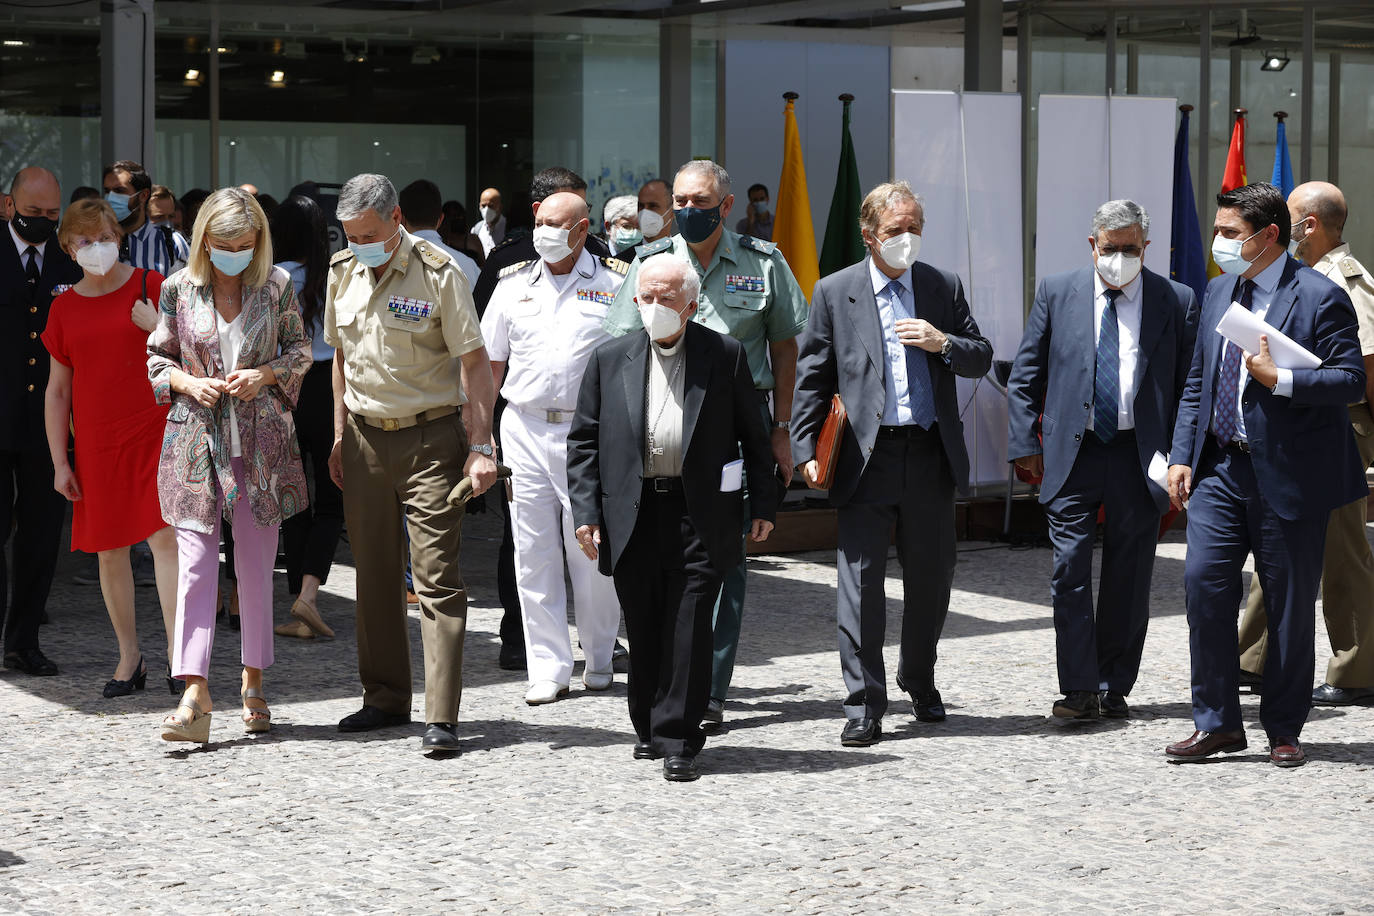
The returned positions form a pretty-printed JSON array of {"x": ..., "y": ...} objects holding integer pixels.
[
  {"x": 782, "y": 424},
  {"x": 482, "y": 450},
  {"x": 945, "y": 348}
]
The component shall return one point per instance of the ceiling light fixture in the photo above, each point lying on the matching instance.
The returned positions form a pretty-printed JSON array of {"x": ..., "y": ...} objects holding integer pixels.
[
  {"x": 277, "y": 79},
  {"x": 1275, "y": 60}
]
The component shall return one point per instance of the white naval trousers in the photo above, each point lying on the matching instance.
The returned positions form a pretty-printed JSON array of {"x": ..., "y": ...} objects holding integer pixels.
[{"x": 536, "y": 451}]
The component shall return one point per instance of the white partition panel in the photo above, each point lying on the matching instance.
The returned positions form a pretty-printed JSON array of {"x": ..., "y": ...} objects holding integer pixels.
[
  {"x": 1091, "y": 152},
  {"x": 962, "y": 154}
]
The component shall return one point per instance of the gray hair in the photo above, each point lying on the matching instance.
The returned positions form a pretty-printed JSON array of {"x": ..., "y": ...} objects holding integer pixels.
[
  {"x": 1121, "y": 214},
  {"x": 623, "y": 207},
  {"x": 676, "y": 268},
  {"x": 707, "y": 167},
  {"x": 367, "y": 191},
  {"x": 880, "y": 199}
]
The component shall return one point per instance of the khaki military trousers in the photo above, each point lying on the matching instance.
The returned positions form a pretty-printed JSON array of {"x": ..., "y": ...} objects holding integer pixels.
[
  {"x": 385, "y": 473},
  {"x": 1347, "y": 588}
]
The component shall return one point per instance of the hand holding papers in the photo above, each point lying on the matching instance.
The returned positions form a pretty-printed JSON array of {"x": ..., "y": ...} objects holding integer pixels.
[{"x": 1240, "y": 326}]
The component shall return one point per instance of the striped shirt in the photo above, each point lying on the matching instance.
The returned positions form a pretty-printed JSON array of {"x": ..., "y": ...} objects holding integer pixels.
[{"x": 147, "y": 248}]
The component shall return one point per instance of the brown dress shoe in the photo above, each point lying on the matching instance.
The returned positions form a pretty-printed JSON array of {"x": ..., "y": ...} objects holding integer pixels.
[
  {"x": 1286, "y": 752},
  {"x": 1204, "y": 744}
]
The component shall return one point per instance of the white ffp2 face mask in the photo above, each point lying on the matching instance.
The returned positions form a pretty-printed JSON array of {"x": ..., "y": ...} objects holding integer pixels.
[
  {"x": 659, "y": 320},
  {"x": 900, "y": 251},
  {"x": 551, "y": 243},
  {"x": 650, "y": 223},
  {"x": 98, "y": 257},
  {"x": 1116, "y": 269}
]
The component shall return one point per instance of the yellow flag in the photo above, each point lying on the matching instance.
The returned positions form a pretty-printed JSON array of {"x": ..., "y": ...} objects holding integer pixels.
[{"x": 792, "y": 230}]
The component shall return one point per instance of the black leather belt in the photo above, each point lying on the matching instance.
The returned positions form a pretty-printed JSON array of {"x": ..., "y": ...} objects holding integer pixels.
[
  {"x": 1240, "y": 444},
  {"x": 663, "y": 484},
  {"x": 906, "y": 432}
]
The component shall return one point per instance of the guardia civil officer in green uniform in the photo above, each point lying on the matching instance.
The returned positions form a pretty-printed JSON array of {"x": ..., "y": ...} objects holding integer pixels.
[
  {"x": 413, "y": 395},
  {"x": 749, "y": 293}
]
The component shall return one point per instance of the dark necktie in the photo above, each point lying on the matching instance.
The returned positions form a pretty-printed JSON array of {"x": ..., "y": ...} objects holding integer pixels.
[
  {"x": 31, "y": 265},
  {"x": 1225, "y": 421},
  {"x": 1107, "y": 375},
  {"x": 918, "y": 385}
]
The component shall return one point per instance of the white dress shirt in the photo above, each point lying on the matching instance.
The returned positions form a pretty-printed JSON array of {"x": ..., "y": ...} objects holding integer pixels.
[
  {"x": 490, "y": 234},
  {"x": 1266, "y": 285},
  {"x": 896, "y": 390},
  {"x": 1128, "y": 306},
  {"x": 24, "y": 246}
]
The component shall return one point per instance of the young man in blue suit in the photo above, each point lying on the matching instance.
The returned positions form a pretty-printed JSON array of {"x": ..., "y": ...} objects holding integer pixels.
[
  {"x": 1092, "y": 397},
  {"x": 1265, "y": 453}
]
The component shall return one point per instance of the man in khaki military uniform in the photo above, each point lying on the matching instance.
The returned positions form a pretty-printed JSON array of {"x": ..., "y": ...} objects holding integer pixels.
[
  {"x": 1318, "y": 212},
  {"x": 413, "y": 396}
]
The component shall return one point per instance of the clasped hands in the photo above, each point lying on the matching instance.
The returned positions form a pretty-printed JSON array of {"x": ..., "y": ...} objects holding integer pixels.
[{"x": 243, "y": 384}]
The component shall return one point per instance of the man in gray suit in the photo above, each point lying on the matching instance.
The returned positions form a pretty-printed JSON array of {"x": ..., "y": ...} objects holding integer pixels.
[
  {"x": 889, "y": 335},
  {"x": 1098, "y": 378}
]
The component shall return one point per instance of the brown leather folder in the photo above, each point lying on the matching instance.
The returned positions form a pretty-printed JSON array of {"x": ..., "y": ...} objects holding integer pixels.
[{"x": 828, "y": 443}]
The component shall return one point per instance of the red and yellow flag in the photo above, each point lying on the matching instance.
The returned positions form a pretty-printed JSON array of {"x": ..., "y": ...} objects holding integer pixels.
[
  {"x": 792, "y": 228},
  {"x": 1234, "y": 176}
]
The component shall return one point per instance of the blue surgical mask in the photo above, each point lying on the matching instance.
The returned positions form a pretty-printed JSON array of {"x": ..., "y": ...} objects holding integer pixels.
[
  {"x": 231, "y": 263},
  {"x": 372, "y": 254},
  {"x": 1226, "y": 252},
  {"x": 624, "y": 238},
  {"x": 695, "y": 224},
  {"x": 120, "y": 204}
]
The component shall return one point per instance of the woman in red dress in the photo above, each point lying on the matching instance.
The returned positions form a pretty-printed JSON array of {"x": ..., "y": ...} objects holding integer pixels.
[{"x": 97, "y": 337}]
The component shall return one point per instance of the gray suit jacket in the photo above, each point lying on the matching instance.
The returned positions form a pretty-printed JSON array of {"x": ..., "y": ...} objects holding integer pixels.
[{"x": 841, "y": 350}]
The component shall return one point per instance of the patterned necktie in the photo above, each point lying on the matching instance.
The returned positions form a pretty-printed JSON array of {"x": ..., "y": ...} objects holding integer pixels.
[
  {"x": 31, "y": 265},
  {"x": 1107, "y": 375},
  {"x": 920, "y": 391},
  {"x": 1225, "y": 422}
]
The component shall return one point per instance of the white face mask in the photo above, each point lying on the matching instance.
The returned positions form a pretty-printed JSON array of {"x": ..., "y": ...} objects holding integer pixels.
[
  {"x": 551, "y": 243},
  {"x": 650, "y": 223},
  {"x": 900, "y": 251},
  {"x": 1116, "y": 269},
  {"x": 1226, "y": 254},
  {"x": 98, "y": 257},
  {"x": 489, "y": 214},
  {"x": 659, "y": 320},
  {"x": 1293, "y": 240}
]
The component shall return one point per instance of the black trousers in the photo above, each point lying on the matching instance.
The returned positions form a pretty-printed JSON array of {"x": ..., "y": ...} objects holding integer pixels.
[
  {"x": 667, "y": 589},
  {"x": 33, "y": 512},
  {"x": 312, "y": 536}
]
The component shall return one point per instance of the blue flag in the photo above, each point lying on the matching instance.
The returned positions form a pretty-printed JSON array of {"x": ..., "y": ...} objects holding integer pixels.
[
  {"x": 1187, "y": 261},
  {"x": 1283, "y": 166}
]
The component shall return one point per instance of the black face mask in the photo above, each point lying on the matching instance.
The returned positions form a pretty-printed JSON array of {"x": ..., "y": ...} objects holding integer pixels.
[{"x": 36, "y": 230}]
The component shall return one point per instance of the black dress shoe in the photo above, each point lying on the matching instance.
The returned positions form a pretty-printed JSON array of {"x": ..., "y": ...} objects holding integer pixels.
[
  {"x": 620, "y": 659},
  {"x": 115, "y": 688},
  {"x": 30, "y": 661},
  {"x": 370, "y": 717},
  {"x": 440, "y": 737},
  {"x": 928, "y": 706},
  {"x": 680, "y": 769},
  {"x": 1078, "y": 704},
  {"x": 644, "y": 750},
  {"x": 1251, "y": 679},
  {"x": 861, "y": 732},
  {"x": 512, "y": 658},
  {"x": 1113, "y": 705},
  {"x": 714, "y": 714},
  {"x": 1326, "y": 695}
]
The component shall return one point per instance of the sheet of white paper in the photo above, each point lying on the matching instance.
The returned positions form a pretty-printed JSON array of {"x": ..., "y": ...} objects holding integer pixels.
[
  {"x": 1159, "y": 471},
  {"x": 1240, "y": 326},
  {"x": 732, "y": 476}
]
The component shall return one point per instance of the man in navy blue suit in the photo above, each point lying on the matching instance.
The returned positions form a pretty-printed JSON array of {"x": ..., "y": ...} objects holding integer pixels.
[
  {"x": 1092, "y": 397},
  {"x": 1265, "y": 453}
]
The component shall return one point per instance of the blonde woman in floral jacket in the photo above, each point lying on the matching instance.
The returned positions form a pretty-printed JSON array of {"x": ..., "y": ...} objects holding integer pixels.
[{"x": 229, "y": 353}]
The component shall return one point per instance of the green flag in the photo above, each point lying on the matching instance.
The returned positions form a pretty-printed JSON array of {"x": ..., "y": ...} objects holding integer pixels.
[{"x": 843, "y": 246}]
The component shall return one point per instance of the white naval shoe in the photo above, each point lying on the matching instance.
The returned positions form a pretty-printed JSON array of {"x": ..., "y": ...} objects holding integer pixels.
[
  {"x": 598, "y": 680},
  {"x": 542, "y": 692}
]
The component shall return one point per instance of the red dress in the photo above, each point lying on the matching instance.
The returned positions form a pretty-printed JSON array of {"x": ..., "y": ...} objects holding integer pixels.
[{"x": 117, "y": 424}]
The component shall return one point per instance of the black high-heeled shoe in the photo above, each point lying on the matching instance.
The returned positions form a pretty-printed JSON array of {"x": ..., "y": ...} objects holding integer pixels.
[
  {"x": 118, "y": 688},
  {"x": 175, "y": 686}
]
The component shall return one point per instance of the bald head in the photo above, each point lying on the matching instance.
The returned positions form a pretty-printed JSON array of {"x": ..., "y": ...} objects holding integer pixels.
[
  {"x": 34, "y": 192},
  {"x": 491, "y": 198},
  {"x": 566, "y": 211},
  {"x": 1317, "y": 210}
]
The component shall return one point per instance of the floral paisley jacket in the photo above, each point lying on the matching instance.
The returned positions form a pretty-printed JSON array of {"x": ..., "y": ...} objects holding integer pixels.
[{"x": 194, "y": 467}]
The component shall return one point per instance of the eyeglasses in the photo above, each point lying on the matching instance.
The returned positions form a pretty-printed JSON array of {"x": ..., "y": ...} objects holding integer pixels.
[{"x": 1130, "y": 251}]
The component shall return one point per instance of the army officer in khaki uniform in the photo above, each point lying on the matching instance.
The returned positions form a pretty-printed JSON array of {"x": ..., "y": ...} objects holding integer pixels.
[{"x": 413, "y": 396}]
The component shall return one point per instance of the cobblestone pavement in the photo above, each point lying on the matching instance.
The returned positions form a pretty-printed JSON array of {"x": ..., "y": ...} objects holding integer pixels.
[{"x": 999, "y": 809}]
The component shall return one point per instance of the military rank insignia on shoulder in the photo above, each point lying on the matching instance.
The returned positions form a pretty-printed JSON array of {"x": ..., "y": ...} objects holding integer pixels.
[
  {"x": 1350, "y": 268},
  {"x": 653, "y": 248},
  {"x": 432, "y": 256},
  {"x": 515, "y": 268},
  {"x": 764, "y": 248},
  {"x": 616, "y": 265},
  {"x": 343, "y": 254}
]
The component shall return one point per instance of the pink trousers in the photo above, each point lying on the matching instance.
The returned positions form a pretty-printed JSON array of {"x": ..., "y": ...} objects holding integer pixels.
[{"x": 255, "y": 550}]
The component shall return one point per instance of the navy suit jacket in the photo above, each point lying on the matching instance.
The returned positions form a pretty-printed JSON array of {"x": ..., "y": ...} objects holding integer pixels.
[
  {"x": 1302, "y": 447},
  {"x": 720, "y": 415},
  {"x": 841, "y": 350},
  {"x": 1050, "y": 391}
]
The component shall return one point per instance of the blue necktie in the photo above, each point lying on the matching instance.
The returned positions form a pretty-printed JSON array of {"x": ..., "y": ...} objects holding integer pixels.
[
  {"x": 1107, "y": 375},
  {"x": 920, "y": 391},
  {"x": 1225, "y": 422}
]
